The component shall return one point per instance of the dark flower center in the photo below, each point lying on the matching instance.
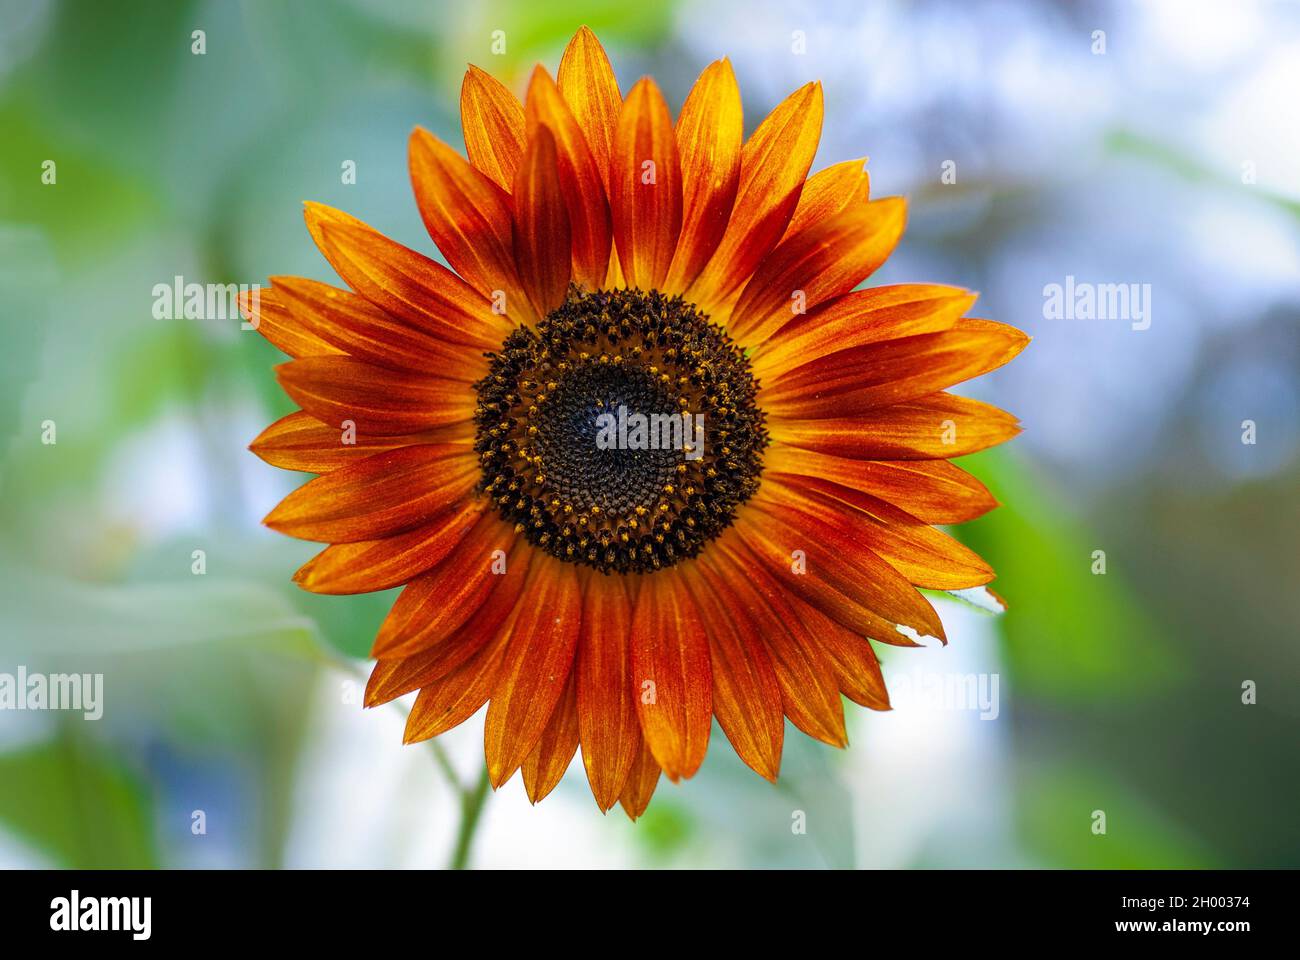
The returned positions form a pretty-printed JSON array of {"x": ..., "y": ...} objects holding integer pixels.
[{"x": 621, "y": 433}]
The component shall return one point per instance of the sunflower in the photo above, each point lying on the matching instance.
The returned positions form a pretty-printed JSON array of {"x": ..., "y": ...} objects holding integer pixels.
[{"x": 603, "y": 258}]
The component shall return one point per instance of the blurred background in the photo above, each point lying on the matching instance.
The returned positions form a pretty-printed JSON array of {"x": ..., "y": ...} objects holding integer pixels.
[{"x": 1139, "y": 143}]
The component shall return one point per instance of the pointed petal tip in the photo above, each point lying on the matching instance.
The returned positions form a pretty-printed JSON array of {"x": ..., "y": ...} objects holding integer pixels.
[{"x": 497, "y": 777}]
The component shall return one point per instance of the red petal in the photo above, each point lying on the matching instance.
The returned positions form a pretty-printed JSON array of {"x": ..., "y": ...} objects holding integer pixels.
[
  {"x": 266, "y": 313},
  {"x": 407, "y": 284},
  {"x": 922, "y": 554},
  {"x": 301, "y": 442},
  {"x": 378, "y": 401},
  {"x": 474, "y": 589},
  {"x": 746, "y": 694},
  {"x": 709, "y": 133},
  {"x": 856, "y": 666},
  {"x": 354, "y": 325},
  {"x": 452, "y": 699},
  {"x": 828, "y": 192},
  {"x": 468, "y": 216},
  {"x": 536, "y": 666},
  {"x": 773, "y": 165},
  {"x": 647, "y": 215},
  {"x": 382, "y": 495},
  {"x": 810, "y": 696},
  {"x": 843, "y": 576},
  {"x": 542, "y": 238},
  {"x": 580, "y": 179},
  {"x": 492, "y": 119},
  {"x": 641, "y": 783},
  {"x": 545, "y": 766},
  {"x": 670, "y": 667},
  {"x": 824, "y": 261},
  {"x": 389, "y": 562},
  {"x": 587, "y": 81},
  {"x": 933, "y": 491},
  {"x": 867, "y": 316},
  {"x": 611, "y": 733},
  {"x": 929, "y": 428},
  {"x": 853, "y": 381}
]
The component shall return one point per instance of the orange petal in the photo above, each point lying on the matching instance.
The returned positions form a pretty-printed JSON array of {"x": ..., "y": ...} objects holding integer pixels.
[
  {"x": 925, "y": 556},
  {"x": 536, "y": 666},
  {"x": 853, "y": 381},
  {"x": 382, "y": 495},
  {"x": 376, "y": 400},
  {"x": 646, "y": 187},
  {"x": 455, "y": 697},
  {"x": 856, "y": 666},
  {"x": 810, "y": 695},
  {"x": 841, "y": 574},
  {"x": 773, "y": 164},
  {"x": 492, "y": 119},
  {"x": 641, "y": 783},
  {"x": 828, "y": 192},
  {"x": 266, "y": 313},
  {"x": 710, "y": 129},
  {"x": 301, "y": 442},
  {"x": 580, "y": 180},
  {"x": 544, "y": 768},
  {"x": 468, "y": 216},
  {"x": 671, "y": 673},
  {"x": 611, "y": 733},
  {"x": 828, "y": 259},
  {"x": 934, "y": 491},
  {"x": 746, "y": 695},
  {"x": 867, "y": 316},
  {"x": 407, "y": 284},
  {"x": 542, "y": 238},
  {"x": 396, "y": 676},
  {"x": 391, "y": 561},
  {"x": 934, "y": 427},
  {"x": 475, "y": 587},
  {"x": 587, "y": 81},
  {"x": 353, "y": 325}
]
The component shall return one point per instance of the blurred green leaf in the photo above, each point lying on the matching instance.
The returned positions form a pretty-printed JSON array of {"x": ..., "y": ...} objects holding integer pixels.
[
  {"x": 1058, "y": 808},
  {"x": 78, "y": 805},
  {"x": 188, "y": 655},
  {"x": 1069, "y": 633},
  {"x": 26, "y": 270},
  {"x": 93, "y": 201},
  {"x": 534, "y": 30}
]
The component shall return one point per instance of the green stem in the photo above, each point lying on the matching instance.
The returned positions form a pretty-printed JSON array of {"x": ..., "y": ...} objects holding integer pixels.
[{"x": 471, "y": 808}]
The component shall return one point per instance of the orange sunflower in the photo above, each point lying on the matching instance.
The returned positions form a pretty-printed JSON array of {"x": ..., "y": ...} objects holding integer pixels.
[{"x": 620, "y": 597}]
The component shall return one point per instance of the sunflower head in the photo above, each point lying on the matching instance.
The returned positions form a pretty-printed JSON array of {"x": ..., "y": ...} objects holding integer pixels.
[
  {"x": 639, "y": 455},
  {"x": 620, "y": 507}
]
